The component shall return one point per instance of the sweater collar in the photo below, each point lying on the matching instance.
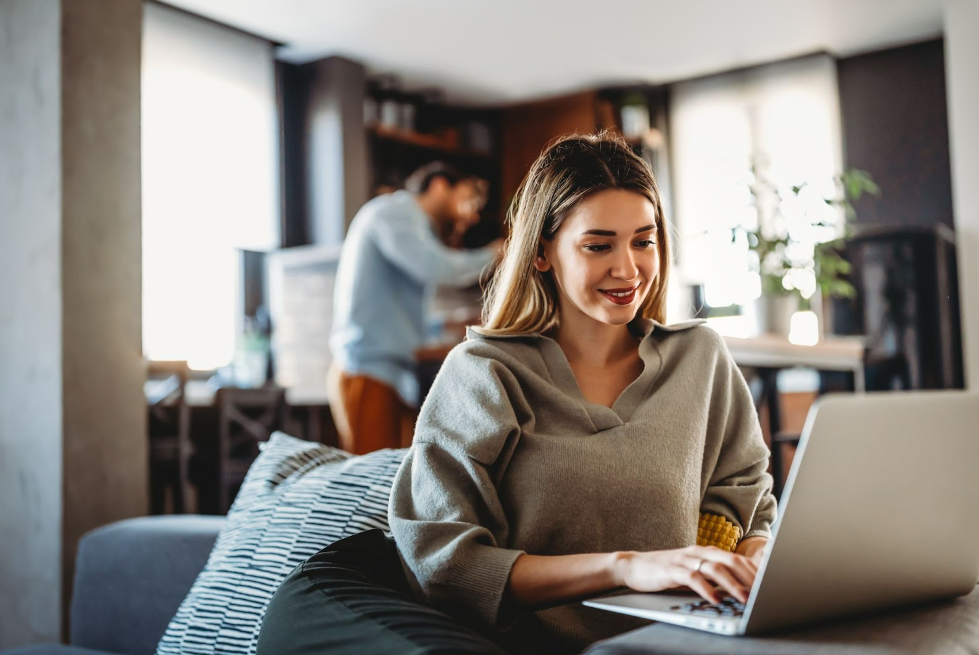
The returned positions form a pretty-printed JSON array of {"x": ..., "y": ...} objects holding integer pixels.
[
  {"x": 602, "y": 417},
  {"x": 641, "y": 327}
]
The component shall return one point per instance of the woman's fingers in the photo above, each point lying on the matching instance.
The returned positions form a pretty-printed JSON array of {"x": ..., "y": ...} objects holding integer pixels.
[
  {"x": 698, "y": 583},
  {"x": 732, "y": 573},
  {"x": 722, "y": 575},
  {"x": 699, "y": 568},
  {"x": 742, "y": 568},
  {"x": 743, "y": 572}
]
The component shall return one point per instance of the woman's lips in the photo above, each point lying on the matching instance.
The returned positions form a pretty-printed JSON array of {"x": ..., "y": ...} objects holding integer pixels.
[{"x": 620, "y": 296}]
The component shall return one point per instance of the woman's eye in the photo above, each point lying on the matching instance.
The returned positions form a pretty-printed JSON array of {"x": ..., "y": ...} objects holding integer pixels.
[
  {"x": 645, "y": 243},
  {"x": 597, "y": 247}
]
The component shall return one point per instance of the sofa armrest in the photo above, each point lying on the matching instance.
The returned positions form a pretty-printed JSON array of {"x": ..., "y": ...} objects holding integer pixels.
[{"x": 131, "y": 576}]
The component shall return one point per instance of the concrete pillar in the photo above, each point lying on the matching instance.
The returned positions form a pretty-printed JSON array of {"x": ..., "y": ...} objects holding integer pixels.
[
  {"x": 962, "y": 80},
  {"x": 72, "y": 414},
  {"x": 30, "y": 322}
]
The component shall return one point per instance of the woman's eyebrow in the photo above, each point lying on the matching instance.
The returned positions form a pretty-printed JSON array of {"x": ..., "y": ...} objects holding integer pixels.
[{"x": 610, "y": 233}]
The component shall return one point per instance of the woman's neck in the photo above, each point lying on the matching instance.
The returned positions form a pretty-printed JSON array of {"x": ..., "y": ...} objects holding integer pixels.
[{"x": 593, "y": 344}]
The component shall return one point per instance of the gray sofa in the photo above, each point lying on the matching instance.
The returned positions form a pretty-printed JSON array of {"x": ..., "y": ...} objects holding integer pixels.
[{"x": 131, "y": 576}]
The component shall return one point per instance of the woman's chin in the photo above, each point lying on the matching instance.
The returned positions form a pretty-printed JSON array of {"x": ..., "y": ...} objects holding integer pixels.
[{"x": 619, "y": 315}]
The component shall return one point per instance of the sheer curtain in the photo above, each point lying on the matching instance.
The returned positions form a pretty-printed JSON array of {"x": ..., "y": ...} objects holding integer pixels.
[
  {"x": 784, "y": 120},
  {"x": 210, "y": 180}
]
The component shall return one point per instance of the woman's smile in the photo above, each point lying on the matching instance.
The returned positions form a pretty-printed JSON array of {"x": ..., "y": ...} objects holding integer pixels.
[{"x": 622, "y": 296}]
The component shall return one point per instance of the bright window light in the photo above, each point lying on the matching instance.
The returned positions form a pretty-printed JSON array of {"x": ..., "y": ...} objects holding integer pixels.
[
  {"x": 741, "y": 327},
  {"x": 210, "y": 180},
  {"x": 804, "y": 329},
  {"x": 782, "y": 118}
]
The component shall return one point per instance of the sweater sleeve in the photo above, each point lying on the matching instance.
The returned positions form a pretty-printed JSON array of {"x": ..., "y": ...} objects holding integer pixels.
[
  {"x": 739, "y": 487},
  {"x": 445, "y": 514}
]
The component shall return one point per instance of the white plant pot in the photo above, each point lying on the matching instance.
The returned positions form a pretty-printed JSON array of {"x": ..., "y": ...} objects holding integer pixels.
[{"x": 774, "y": 313}]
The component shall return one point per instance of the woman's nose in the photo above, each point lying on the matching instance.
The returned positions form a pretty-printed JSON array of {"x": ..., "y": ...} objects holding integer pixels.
[{"x": 625, "y": 267}]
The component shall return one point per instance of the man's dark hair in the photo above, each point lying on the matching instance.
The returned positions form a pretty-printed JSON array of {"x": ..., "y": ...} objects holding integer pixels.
[{"x": 421, "y": 179}]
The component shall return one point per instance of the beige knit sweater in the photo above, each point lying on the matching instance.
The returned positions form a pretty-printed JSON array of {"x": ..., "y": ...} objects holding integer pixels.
[{"x": 510, "y": 458}]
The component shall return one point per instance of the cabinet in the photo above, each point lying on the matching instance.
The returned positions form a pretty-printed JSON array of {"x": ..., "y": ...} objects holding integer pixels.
[
  {"x": 906, "y": 305},
  {"x": 529, "y": 127}
]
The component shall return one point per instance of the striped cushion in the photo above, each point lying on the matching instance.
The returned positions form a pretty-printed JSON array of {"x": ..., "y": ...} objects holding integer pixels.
[{"x": 297, "y": 498}]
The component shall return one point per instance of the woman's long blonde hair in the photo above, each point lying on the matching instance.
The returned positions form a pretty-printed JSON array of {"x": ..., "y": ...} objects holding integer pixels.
[{"x": 520, "y": 298}]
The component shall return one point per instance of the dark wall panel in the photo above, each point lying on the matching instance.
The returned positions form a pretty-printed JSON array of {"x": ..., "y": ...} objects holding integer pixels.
[
  {"x": 895, "y": 126},
  {"x": 293, "y": 83}
]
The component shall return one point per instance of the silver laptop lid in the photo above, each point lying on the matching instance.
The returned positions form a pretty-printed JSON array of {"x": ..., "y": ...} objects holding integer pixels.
[{"x": 881, "y": 509}]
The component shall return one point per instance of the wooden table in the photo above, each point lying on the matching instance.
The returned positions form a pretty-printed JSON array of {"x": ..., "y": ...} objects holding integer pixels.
[
  {"x": 200, "y": 393},
  {"x": 309, "y": 401},
  {"x": 769, "y": 354},
  {"x": 777, "y": 352}
]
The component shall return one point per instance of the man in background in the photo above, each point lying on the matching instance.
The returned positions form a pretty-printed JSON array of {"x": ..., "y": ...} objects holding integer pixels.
[{"x": 390, "y": 256}]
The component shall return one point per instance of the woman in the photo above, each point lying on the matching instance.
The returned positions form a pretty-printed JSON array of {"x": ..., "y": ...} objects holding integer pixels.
[{"x": 570, "y": 445}]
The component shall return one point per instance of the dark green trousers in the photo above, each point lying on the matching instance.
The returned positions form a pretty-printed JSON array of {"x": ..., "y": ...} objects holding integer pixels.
[{"x": 352, "y": 597}]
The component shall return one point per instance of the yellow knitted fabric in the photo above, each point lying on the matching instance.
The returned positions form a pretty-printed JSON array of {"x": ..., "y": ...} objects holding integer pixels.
[{"x": 717, "y": 531}]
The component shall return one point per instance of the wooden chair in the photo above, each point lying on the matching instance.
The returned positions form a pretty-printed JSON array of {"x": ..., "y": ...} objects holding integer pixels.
[
  {"x": 246, "y": 418},
  {"x": 168, "y": 427}
]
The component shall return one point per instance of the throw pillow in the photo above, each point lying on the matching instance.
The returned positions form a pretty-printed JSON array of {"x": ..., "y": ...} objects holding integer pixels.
[{"x": 297, "y": 498}]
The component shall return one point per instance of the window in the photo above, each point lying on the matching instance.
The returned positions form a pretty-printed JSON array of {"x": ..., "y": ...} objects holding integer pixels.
[
  {"x": 782, "y": 118},
  {"x": 210, "y": 180}
]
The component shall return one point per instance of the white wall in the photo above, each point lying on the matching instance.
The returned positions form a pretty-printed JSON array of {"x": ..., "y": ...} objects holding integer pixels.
[{"x": 962, "y": 80}]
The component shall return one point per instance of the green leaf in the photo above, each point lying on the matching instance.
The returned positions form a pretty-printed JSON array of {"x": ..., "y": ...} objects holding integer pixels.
[{"x": 857, "y": 182}]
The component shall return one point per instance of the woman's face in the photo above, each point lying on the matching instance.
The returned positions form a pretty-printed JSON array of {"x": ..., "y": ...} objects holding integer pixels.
[{"x": 604, "y": 257}]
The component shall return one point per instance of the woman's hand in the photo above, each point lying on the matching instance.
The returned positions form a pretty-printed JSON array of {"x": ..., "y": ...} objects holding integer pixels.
[
  {"x": 697, "y": 567},
  {"x": 546, "y": 580},
  {"x": 753, "y": 548}
]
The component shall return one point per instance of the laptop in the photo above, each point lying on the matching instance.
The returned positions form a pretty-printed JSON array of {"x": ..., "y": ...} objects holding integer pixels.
[{"x": 880, "y": 510}]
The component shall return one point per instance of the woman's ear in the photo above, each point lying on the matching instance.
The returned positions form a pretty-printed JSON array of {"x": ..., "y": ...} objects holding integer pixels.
[{"x": 540, "y": 261}]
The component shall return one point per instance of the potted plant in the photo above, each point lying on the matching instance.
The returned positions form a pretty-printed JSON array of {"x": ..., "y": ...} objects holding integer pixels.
[{"x": 794, "y": 242}]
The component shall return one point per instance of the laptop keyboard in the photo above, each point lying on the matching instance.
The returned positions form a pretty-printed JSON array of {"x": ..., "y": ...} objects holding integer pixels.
[{"x": 729, "y": 607}]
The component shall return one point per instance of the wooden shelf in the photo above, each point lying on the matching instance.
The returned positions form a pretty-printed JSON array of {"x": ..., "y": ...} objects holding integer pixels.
[{"x": 427, "y": 141}]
